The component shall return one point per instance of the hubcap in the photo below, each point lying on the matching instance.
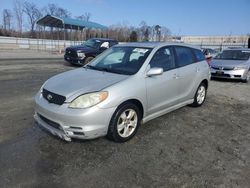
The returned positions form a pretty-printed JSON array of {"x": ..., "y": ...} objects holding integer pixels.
[
  {"x": 201, "y": 94},
  {"x": 127, "y": 123}
]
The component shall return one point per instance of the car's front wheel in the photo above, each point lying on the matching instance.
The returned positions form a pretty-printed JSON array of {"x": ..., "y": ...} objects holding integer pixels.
[
  {"x": 124, "y": 123},
  {"x": 247, "y": 77},
  {"x": 200, "y": 95}
]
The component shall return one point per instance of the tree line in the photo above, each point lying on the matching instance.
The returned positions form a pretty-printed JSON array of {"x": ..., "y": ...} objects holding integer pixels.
[{"x": 21, "y": 22}]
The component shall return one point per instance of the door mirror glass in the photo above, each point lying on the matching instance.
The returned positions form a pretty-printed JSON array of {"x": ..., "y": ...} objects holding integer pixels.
[{"x": 155, "y": 71}]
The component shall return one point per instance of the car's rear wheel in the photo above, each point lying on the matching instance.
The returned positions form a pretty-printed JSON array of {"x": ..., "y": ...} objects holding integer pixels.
[
  {"x": 124, "y": 123},
  {"x": 200, "y": 95}
]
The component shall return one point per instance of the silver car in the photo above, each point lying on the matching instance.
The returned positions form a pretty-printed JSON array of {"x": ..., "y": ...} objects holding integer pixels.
[
  {"x": 232, "y": 64},
  {"x": 127, "y": 85}
]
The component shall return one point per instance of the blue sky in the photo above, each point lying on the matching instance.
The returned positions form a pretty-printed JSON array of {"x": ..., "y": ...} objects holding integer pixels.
[{"x": 183, "y": 17}]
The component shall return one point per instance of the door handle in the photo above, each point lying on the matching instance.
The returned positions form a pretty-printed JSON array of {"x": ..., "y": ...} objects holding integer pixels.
[{"x": 176, "y": 76}]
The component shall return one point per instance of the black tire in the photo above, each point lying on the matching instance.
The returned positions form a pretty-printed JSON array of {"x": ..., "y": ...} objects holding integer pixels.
[
  {"x": 87, "y": 60},
  {"x": 247, "y": 78},
  {"x": 113, "y": 129},
  {"x": 245, "y": 81},
  {"x": 196, "y": 103}
]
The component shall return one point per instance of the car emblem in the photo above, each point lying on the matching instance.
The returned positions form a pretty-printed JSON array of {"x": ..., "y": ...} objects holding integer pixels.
[
  {"x": 49, "y": 97},
  {"x": 221, "y": 68}
]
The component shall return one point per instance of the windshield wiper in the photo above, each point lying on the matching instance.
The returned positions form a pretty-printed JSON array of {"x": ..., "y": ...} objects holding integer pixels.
[
  {"x": 104, "y": 69},
  {"x": 98, "y": 68}
]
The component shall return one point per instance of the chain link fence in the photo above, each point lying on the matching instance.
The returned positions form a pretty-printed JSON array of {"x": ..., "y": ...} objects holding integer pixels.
[
  {"x": 35, "y": 44},
  {"x": 59, "y": 45}
]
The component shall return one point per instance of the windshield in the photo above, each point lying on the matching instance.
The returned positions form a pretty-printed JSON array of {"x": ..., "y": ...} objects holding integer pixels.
[
  {"x": 92, "y": 43},
  {"x": 121, "y": 60},
  {"x": 234, "y": 55}
]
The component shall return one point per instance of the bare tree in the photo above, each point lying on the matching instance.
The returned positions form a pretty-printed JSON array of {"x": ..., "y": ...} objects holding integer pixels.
[
  {"x": 51, "y": 9},
  {"x": 33, "y": 13},
  {"x": 165, "y": 33},
  {"x": 144, "y": 31},
  {"x": 7, "y": 16},
  {"x": 18, "y": 9},
  {"x": 61, "y": 12},
  {"x": 86, "y": 16}
]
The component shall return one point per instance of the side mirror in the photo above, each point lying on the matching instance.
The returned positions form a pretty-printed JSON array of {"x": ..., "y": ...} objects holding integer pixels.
[{"x": 154, "y": 71}]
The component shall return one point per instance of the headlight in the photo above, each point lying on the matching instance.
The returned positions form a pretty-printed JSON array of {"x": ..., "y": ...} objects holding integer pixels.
[
  {"x": 239, "y": 68},
  {"x": 41, "y": 89},
  {"x": 81, "y": 54},
  {"x": 88, "y": 100}
]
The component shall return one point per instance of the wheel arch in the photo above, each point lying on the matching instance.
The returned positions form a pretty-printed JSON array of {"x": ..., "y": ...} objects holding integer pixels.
[
  {"x": 135, "y": 102},
  {"x": 205, "y": 81}
]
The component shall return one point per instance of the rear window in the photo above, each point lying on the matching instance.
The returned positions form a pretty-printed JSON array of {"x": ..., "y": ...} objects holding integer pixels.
[{"x": 199, "y": 55}]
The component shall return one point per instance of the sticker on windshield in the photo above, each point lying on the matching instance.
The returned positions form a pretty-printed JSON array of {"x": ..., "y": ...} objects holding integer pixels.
[{"x": 140, "y": 50}]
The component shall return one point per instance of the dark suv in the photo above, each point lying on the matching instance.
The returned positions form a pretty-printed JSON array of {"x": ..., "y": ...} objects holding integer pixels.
[{"x": 84, "y": 53}]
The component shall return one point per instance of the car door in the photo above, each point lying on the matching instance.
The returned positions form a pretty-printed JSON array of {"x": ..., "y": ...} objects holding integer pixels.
[
  {"x": 188, "y": 72},
  {"x": 162, "y": 90}
]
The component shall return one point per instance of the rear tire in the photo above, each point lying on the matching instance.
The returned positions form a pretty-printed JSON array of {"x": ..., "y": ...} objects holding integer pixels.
[
  {"x": 124, "y": 123},
  {"x": 200, "y": 95}
]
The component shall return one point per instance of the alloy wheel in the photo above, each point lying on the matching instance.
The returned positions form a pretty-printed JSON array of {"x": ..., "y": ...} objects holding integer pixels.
[{"x": 127, "y": 123}]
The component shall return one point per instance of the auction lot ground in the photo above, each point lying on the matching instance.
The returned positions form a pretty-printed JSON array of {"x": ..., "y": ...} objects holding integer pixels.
[{"x": 190, "y": 147}]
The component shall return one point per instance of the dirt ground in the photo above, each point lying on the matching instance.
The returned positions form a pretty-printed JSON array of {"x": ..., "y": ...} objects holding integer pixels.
[{"x": 190, "y": 147}]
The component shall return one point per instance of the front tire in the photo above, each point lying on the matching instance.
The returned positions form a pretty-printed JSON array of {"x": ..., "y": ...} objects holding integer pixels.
[
  {"x": 247, "y": 77},
  {"x": 124, "y": 123},
  {"x": 200, "y": 95}
]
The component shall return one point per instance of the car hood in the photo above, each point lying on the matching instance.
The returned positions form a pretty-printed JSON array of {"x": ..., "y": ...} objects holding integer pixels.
[
  {"x": 80, "y": 81},
  {"x": 82, "y": 48},
  {"x": 227, "y": 63}
]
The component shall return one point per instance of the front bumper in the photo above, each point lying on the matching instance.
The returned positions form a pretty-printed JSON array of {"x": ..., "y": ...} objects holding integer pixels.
[
  {"x": 230, "y": 74},
  {"x": 72, "y": 123},
  {"x": 74, "y": 60}
]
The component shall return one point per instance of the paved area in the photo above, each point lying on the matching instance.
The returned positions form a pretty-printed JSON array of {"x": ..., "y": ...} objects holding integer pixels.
[
  {"x": 20, "y": 54},
  {"x": 190, "y": 147}
]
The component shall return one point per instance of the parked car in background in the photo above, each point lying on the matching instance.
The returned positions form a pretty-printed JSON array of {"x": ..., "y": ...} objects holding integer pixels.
[
  {"x": 84, "y": 53},
  {"x": 124, "y": 86},
  {"x": 209, "y": 53},
  {"x": 232, "y": 64}
]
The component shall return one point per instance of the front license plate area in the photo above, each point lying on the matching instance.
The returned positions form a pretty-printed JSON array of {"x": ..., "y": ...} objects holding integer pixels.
[{"x": 219, "y": 72}]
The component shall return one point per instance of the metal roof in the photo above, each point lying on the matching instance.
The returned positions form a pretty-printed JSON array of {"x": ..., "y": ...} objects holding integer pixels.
[{"x": 68, "y": 23}]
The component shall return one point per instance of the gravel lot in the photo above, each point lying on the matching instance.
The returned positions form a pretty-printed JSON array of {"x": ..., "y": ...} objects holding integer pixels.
[{"x": 190, "y": 147}]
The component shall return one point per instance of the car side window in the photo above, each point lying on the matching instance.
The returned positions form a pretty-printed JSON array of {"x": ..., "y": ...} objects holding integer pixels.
[
  {"x": 199, "y": 55},
  {"x": 163, "y": 58},
  {"x": 184, "y": 56},
  {"x": 112, "y": 43}
]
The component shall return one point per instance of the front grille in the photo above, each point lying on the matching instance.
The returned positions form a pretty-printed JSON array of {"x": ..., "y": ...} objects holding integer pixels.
[
  {"x": 222, "y": 68},
  {"x": 53, "y": 97},
  {"x": 70, "y": 53},
  {"x": 49, "y": 122},
  {"x": 220, "y": 75}
]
